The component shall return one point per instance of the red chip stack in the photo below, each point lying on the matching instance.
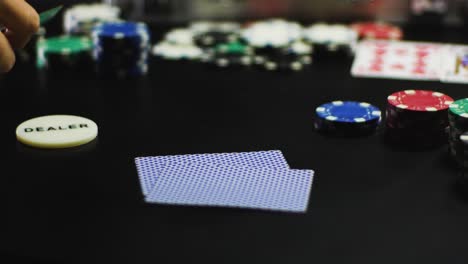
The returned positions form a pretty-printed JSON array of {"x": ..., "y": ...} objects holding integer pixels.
[
  {"x": 417, "y": 118},
  {"x": 377, "y": 30}
]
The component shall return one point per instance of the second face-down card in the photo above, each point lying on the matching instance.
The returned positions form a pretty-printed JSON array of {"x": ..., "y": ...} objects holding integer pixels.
[{"x": 227, "y": 186}]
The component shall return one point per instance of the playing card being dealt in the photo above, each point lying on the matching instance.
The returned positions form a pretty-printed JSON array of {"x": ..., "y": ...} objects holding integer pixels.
[
  {"x": 398, "y": 60},
  {"x": 149, "y": 168},
  {"x": 230, "y": 186}
]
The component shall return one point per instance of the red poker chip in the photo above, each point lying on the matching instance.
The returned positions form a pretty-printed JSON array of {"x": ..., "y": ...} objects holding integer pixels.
[
  {"x": 377, "y": 31},
  {"x": 420, "y": 100}
]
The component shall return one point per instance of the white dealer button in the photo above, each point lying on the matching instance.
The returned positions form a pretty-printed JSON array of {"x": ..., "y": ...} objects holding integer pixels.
[{"x": 57, "y": 131}]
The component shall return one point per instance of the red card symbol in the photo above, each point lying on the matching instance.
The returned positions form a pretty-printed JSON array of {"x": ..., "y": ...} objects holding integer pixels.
[
  {"x": 401, "y": 52},
  {"x": 419, "y": 70},
  {"x": 381, "y": 44},
  {"x": 377, "y": 60},
  {"x": 380, "y": 51},
  {"x": 376, "y": 68},
  {"x": 398, "y": 66},
  {"x": 420, "y": 64},
  {"x": 422, "y": 47},
  {"x": 422, "y": 54}
]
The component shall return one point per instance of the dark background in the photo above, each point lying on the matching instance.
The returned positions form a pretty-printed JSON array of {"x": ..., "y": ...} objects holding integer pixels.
[{"x": 371, "y": 202}]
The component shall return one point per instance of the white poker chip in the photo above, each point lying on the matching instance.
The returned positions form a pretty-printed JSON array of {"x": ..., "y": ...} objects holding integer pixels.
[
  {"x": 177, "y": 52},
  {"x": 81, "y": 18},
  {"x": 321, "y": 33},
  {"x": 57, "y": 131},
  {"x": 180, "y": 36},
  {"x": 301, "y": 48},
  {"x": 272, "y": 33},
  {"x": 201, "y": 27}
]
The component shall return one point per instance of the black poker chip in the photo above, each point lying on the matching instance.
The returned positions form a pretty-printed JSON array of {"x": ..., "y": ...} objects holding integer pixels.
[
  {"x": 225, "y": 60},
  {"x": 330, "y": 50},
  {"x": 214, "y": 38},
  {"x": 285, "y": 62}
]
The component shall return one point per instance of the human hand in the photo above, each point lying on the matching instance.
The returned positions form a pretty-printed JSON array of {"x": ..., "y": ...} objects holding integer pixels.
[{"x": 21, "y": 22}]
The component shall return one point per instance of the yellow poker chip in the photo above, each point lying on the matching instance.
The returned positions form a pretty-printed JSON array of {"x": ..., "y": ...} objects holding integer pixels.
[{"x": 57, "y": 131}]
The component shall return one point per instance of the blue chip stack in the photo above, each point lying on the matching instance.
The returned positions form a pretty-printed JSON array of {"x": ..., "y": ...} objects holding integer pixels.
[
  {"x": 347, "y": 118},
  {"x": 121, "y": 49}
]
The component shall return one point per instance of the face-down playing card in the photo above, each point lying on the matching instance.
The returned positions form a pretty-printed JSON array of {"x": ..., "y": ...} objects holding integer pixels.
[
  {"x": 149, "y": 168},
  {"x": 229, "y": 186}
]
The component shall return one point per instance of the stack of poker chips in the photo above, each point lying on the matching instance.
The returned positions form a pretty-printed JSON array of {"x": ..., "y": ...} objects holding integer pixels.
[
  {"x": 417, "y": 118},
  {"x": 231, "y": 54},
  {"x": 458, "y": 120},
  {"x": 179, "y": 52},
  {"x": 329, "y": 39},
  {"x": 462, "y": 158},
  {"x": 80, "y": 19},
  {"x": 208, "y": 35},
  {"x": 272, "y": 44},
  {"x": 347, "y": 118},
  {"x": 377, "y": 30},
  {"x": 278, "y": 45},
  {"x": 64, "y": 54},
  {"x": 121, "y": 49}
]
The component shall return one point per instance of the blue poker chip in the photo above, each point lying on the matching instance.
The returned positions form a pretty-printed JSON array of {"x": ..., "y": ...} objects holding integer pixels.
[
  {"x": 121, "y": 49},
  {"x": 349, "y": 112},
  {"x": 121, "y": 30}
]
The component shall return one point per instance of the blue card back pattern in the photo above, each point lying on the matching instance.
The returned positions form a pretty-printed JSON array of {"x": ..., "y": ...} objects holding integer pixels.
[
  {"x": 228, "y": 186},
  {"x": 149, "y": 168}
]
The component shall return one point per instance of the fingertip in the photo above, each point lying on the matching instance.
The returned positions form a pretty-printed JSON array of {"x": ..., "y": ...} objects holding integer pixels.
[
  {"x": 31, "y": 25},
  {"x": 33, "y": 22},
  {"x": 7, "y": 61}
]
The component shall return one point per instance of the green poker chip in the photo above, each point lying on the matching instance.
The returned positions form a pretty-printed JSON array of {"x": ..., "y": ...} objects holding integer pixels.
[
  {"x": 459, "y": 108},
  {"x": 66, "y": 46},
  {"x": 458, "y": 121},
  {"x": 234, "y": 48}
]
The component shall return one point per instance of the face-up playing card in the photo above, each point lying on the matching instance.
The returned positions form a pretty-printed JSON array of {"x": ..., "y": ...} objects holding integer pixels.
[
  {"x": 455, "y": 64},
  {"x": 398, "y": 60},
  {"x": 150, "y": 167},
  {"x": 229, "y": 186}
]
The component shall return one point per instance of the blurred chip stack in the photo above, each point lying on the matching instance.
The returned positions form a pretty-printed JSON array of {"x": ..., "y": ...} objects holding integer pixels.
[
  {"x": 210, "y": 34},
  {"x": 274, "y": 44},
  {"x": 458, "y": 120},
  {"x": 64, "y": 54},
  {"x": 80, "y": 19},
  {"x": 429, "y": 12},
  {"x": 271, "y": 34},
  {"x": 177, "y": 52},
  {"x": 121, "y": 49},
  {"x": 233, "y": 54},
  {"x": 462, "y": 158},
  {"x": 271, "y": 44},
  {"x": 377, "y": 30},
  {"x": 277, "y": 45},
  {"x": 331, "y": 39},
  {"x": 417, "y": 118}
]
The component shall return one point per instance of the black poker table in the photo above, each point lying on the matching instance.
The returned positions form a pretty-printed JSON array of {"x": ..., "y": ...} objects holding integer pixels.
[{"x": 371, "y": 202}]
